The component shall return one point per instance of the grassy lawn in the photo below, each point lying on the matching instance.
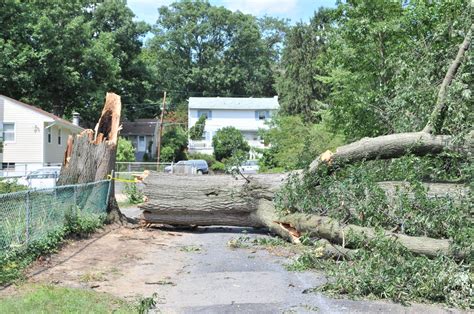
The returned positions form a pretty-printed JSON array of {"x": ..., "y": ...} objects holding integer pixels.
[{"x": 52, "y": 299}]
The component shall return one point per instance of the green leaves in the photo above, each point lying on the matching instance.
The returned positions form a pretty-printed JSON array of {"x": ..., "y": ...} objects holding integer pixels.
[
  {"x": 125, "y": 150},
  {"x": 229, "y": 142},
  {"x": 211, "y": 51},
  {"x": 197, "y": 130},
  {"x": 294, "y": 144},
  {"x": 65, "y": 57}
]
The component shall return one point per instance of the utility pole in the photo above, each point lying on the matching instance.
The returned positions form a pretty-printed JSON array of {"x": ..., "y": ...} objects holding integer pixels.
[{"x": 158, "y": 147}]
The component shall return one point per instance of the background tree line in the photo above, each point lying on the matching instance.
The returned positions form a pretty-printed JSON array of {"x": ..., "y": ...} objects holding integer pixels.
[{"x": 363, "y": 68}]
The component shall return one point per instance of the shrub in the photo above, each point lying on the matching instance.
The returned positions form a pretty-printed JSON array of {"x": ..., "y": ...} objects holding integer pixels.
[
  {"x": 227, "y": 142},
  {"x": 166, "y": 154},
  {"x": 218, "y": 166},
  {"x": 174, "y": 143},
  {"x": 125, "y": 150}
]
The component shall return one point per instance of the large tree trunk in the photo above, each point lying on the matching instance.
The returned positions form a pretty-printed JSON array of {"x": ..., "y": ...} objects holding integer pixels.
[
  {"x": 393, "y": 146},
  {"x": 226, "y": 201},
  {"x": 90, "y": 156}
]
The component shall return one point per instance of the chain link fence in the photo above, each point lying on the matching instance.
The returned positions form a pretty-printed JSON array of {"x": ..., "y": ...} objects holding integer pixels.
[
  {"x": 31, "y": 215},
  {"x": 138, "y": 166}
]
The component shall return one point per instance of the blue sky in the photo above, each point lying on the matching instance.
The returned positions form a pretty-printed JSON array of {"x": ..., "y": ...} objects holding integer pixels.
[{"x": 295, "y": 10}]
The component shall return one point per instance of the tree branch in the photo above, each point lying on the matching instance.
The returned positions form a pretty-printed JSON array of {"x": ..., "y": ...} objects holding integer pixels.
[{"x": 436, "y": 119}]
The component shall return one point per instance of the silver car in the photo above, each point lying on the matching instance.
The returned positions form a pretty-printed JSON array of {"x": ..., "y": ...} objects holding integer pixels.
[{"x": 200, "y": 165}]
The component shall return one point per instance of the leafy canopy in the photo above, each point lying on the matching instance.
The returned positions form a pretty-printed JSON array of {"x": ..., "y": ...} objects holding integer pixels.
[{"x": 205, "y": 50}]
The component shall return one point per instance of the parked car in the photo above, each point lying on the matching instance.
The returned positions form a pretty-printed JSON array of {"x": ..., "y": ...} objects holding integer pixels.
[
  {"x": 248, "y": 167},
  {"x": 41, "y": 178},
  {"x": 200, "y": 165}
]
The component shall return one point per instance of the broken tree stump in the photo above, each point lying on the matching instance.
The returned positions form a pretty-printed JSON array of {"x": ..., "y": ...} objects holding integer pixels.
[{"x": 90, "y": 155}]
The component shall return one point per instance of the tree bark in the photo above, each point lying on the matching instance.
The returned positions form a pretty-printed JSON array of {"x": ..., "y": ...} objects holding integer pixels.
[
  {"x": 392, "y": 146},
  {"x": 226, "y": 201},
  {"x": 90, "y": 156},
  {"x": 335, "y": 232}
]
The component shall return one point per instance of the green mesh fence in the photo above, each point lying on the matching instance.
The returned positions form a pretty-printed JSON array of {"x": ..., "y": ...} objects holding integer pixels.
[{"x": 30, "y": 215}]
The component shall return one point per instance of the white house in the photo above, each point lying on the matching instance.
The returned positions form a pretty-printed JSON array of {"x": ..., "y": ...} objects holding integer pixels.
[
  {"x": 245, "y": 114},
  {"x": 32, "y": 138}
]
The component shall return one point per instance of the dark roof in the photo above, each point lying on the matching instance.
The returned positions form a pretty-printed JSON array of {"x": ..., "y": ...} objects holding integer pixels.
[
  {"x": 41, "y": 111},
  {"x": 139, "y": 127}
]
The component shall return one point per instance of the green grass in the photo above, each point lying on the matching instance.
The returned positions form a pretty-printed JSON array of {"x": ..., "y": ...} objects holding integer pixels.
[{"x": 51, "y": 299}]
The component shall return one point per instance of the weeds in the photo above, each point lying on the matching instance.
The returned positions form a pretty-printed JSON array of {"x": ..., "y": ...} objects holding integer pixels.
[
  {"x": 77, "y": 224},
  {"x": 147, "y": 303},
  {"x": 134, "y": 195},
  {"x": 190, "y": 248},
  {"x": 247, "y": 241}
]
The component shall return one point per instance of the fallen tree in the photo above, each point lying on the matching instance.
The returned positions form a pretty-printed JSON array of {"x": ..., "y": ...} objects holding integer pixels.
[
  {"x": 227, "y": 201},
  {"x": 90, "y": 155},
  {"x": 224, "y": 200}
]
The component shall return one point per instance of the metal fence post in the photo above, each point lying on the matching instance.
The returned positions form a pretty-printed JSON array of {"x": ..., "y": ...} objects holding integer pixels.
[
  {"x": 28, "y": 214},
  {"x": 75, "y": 195},
  {"x": 112, "y": 175}
]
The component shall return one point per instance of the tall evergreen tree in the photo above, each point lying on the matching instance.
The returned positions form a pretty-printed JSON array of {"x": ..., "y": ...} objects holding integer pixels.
[{"x": 299, "y": 91}]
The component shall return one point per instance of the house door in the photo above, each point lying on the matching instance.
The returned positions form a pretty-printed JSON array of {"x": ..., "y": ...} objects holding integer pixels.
[{"x": 141, "y": 144}]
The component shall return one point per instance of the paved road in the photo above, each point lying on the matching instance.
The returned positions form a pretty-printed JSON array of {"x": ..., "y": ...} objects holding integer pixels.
[
  {"x": 200, "y": 273},
  {"x": 218, "y": 279}
]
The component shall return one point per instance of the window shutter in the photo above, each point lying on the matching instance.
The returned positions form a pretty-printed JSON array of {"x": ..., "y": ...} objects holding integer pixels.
[
  {"x": 267, "y": 114},
  {"x": 256, "y": 115},
  {"x": 209, "y": 115}
]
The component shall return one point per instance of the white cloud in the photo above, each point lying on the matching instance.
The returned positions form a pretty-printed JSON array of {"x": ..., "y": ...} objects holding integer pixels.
[{"x": 262, "y": 7}]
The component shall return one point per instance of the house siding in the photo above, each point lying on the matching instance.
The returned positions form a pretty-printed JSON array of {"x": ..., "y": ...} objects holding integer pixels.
[
  {"x": 240, "y": 119},
  {"x": 29, "y": 127},
  {"x": 244, "y": 120},
  {"x": 54, "y": 153}
]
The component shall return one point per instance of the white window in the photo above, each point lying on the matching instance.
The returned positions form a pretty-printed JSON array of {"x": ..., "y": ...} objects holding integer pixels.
[
  {"x": 8, "y": 132},
  {"x": 207, "y": 113},
  {"x": 59, "y": 136},
  {"x": 49, "y": 135}
]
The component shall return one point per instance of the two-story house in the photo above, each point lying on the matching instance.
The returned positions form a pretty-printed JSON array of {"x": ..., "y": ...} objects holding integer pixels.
[
  {"x": 32, "y": 138},
  {"x": 245, "y": 114}
]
